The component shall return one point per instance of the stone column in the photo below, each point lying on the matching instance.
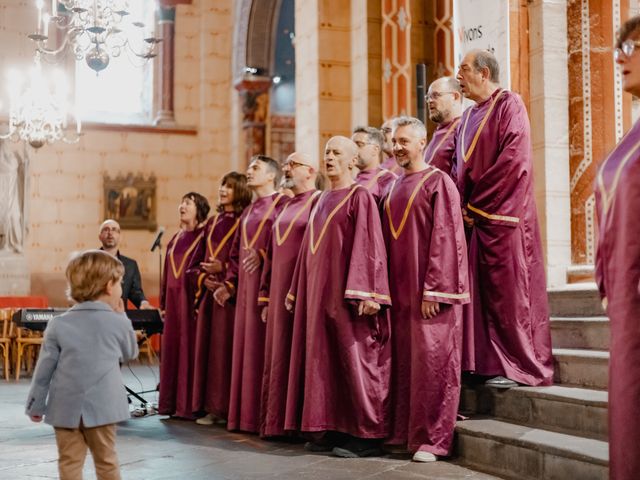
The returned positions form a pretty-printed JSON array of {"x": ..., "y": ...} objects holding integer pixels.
[
  {"x": 366, "y": 62},
  {"x": 595, "y": 116},
  {"x": 166, "y": 57},
  {"x": 549, "y": 114},
  {"x": 254, "y": 104}
]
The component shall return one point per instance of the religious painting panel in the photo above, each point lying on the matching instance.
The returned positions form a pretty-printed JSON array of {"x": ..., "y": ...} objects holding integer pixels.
[{"x": 131, "y": 201}]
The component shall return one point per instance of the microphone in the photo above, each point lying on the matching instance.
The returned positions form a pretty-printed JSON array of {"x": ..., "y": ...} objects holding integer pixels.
[{"x": 156, "y": 242}]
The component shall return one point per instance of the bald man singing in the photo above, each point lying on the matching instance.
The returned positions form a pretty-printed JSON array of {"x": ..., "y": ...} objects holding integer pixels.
[
  {"x": 109, "y": 236},
  {"x": 340, "y": 360}
]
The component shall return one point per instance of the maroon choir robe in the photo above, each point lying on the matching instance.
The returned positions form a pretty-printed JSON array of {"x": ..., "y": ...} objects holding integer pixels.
[
  {"x": 214, "y": 328},
  {"x": 424, "y": 234},
  {"x": 286, "y": 237},
  {"x": 390, "y": 164},
  {"x": 340, "y": 361},
  {"x": 177, "y": 298},
  {"x": 377, "y": 181},
  {"x": 506, "y": 265},
  {"x": 440, "y": 151},
  {"x": 618, "y": 278},
  {"x": 249, "y": 331}
]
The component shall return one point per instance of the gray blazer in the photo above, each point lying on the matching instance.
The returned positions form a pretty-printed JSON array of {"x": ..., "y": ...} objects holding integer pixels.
[{"x": 78, "y": 368}]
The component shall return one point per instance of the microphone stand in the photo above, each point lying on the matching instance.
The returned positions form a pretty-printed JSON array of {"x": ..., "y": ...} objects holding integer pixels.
[{"x": 159, "y": 270}]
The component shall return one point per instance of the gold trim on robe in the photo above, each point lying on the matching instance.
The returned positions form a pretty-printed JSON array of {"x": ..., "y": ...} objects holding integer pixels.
[
  {"x": 280, "y": 239},
  {"x": 178, "y": 272},
  {"x": 492, "y": 216},
  {"x": 387, "y": 204},
  {"x": 367, "y": 294},
  {"x": 312, "y": 244},
  {"x": 456, "y": 296},
  {"x": 254, "y": 239},
  {"x": 467, "y": 154}
]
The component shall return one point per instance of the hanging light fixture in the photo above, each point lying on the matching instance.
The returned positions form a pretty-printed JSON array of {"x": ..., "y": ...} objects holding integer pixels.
[
  {"x": 94, "y": 30},
  {"x": 39, "y": 114}
]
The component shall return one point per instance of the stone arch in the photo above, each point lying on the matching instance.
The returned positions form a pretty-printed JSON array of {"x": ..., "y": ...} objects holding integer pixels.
[{"x": 255, "y": 24}]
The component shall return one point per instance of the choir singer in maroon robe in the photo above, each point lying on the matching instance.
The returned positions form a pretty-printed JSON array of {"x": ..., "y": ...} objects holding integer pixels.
[
  {"x": 371, "y": 176},
  {"x": 243, "y": 276},
  {"x": 214, "y": 328},
  {"x": 506, "y": 265},
  {"x": 300, "y": 172},
  {"x": 184, "y": 252},
  {"x": 389, "y": 161},
  {"x": 424, "y": 234},
  {"x": 340, "y": 360},
  {"x": 444, "y": 100},
  {"x": 618, "y": 270}
]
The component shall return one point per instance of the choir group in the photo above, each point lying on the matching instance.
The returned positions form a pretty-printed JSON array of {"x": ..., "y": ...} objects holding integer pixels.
[{"x": 346, "y": 315}]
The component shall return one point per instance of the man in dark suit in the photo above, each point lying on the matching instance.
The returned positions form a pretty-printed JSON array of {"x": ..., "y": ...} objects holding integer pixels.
[{"x": 131, "y": 284}]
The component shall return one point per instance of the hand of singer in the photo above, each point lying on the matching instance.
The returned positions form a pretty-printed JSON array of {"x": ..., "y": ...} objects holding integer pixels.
[
  {"x": 212, "y": 266},
  {"x": 430, "y": 309},
  {"x": 251, "y": 262},
  {"x": 221, "y": 295},
  {"x": 368, "y": 307}
]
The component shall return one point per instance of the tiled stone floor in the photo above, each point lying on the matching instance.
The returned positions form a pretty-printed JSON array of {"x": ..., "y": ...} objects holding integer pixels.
[{"x": 154, "y": 447}]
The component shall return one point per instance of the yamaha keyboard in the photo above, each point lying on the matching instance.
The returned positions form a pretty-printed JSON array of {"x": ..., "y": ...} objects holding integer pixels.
[{"x": 37, "y": 319}]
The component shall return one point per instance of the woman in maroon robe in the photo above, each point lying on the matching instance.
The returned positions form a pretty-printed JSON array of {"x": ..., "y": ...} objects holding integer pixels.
[
  {"x": 214, "y": 331},
  {"x": 185, "y": 250},
  {"x": 618, "y": 270}
]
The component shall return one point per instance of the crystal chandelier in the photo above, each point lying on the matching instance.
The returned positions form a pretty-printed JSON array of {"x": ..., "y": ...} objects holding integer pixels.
[
  {"x": 39, "y": 114},
  {"x": 95, "y": 30}
]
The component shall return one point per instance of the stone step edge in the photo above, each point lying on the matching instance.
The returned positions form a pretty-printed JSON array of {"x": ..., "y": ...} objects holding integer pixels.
[
  {"x": 536, "y": 439},
  {"x": 578, "y": 319},
  {"x": 560, "y": 393},
  {"x": 581, "y": 353},
  {"x": 585, "y": 287}
]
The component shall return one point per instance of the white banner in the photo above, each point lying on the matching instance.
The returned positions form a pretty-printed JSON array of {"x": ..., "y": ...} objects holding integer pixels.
[{"x": 483, "y": 24}]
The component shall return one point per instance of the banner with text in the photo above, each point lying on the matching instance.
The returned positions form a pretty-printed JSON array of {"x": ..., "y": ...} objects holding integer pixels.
[{"x": 483, "y": 24}]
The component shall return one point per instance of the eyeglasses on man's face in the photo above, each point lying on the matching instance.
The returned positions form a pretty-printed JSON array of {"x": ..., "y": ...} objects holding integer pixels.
[
  {"x": 292, "y": 164},
  {"x": 625, "y": 49},
  {"x": 436, "y": 95}
]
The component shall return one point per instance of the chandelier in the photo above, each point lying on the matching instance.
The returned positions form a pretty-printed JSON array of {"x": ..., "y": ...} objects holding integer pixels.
[
  {"x": 95, "y": 30},
  {"x": 38, "y": 114}
]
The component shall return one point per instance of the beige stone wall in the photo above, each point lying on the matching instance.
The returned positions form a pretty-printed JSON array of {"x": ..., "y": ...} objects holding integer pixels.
[
  {"x": 323, "y": 73},
  {"x": 66, "y": 204}
]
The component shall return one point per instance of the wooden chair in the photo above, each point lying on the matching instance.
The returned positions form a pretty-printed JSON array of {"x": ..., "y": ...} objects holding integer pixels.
[
  {"x": 6, "y": 339},
  {"x": 27, "y": 345}
]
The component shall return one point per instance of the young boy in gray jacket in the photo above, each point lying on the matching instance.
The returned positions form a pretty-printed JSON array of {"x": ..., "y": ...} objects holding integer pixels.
[{"x": 77, "y": 384}]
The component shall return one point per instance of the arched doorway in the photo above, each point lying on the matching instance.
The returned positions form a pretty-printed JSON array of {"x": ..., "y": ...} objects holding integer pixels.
[{"x": 264, "y": 76}]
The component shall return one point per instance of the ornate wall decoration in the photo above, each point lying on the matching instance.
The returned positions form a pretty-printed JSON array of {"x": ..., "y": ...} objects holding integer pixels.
[
  {"x": 443, "y": 38},
  {"x": 595, "y": 111},
  {"x": 396, "y": 53}
]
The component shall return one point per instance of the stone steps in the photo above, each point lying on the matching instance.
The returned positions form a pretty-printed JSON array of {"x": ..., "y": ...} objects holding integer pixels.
[
  {"x": 574, "y": 411},
  {"x": 557, "y": 432},
  {"x": 577, "y": 300},
  {"x": 581, "y": 368},
  {"x": 591, "y": 333},
  {"x": 520, "y": 452}
]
